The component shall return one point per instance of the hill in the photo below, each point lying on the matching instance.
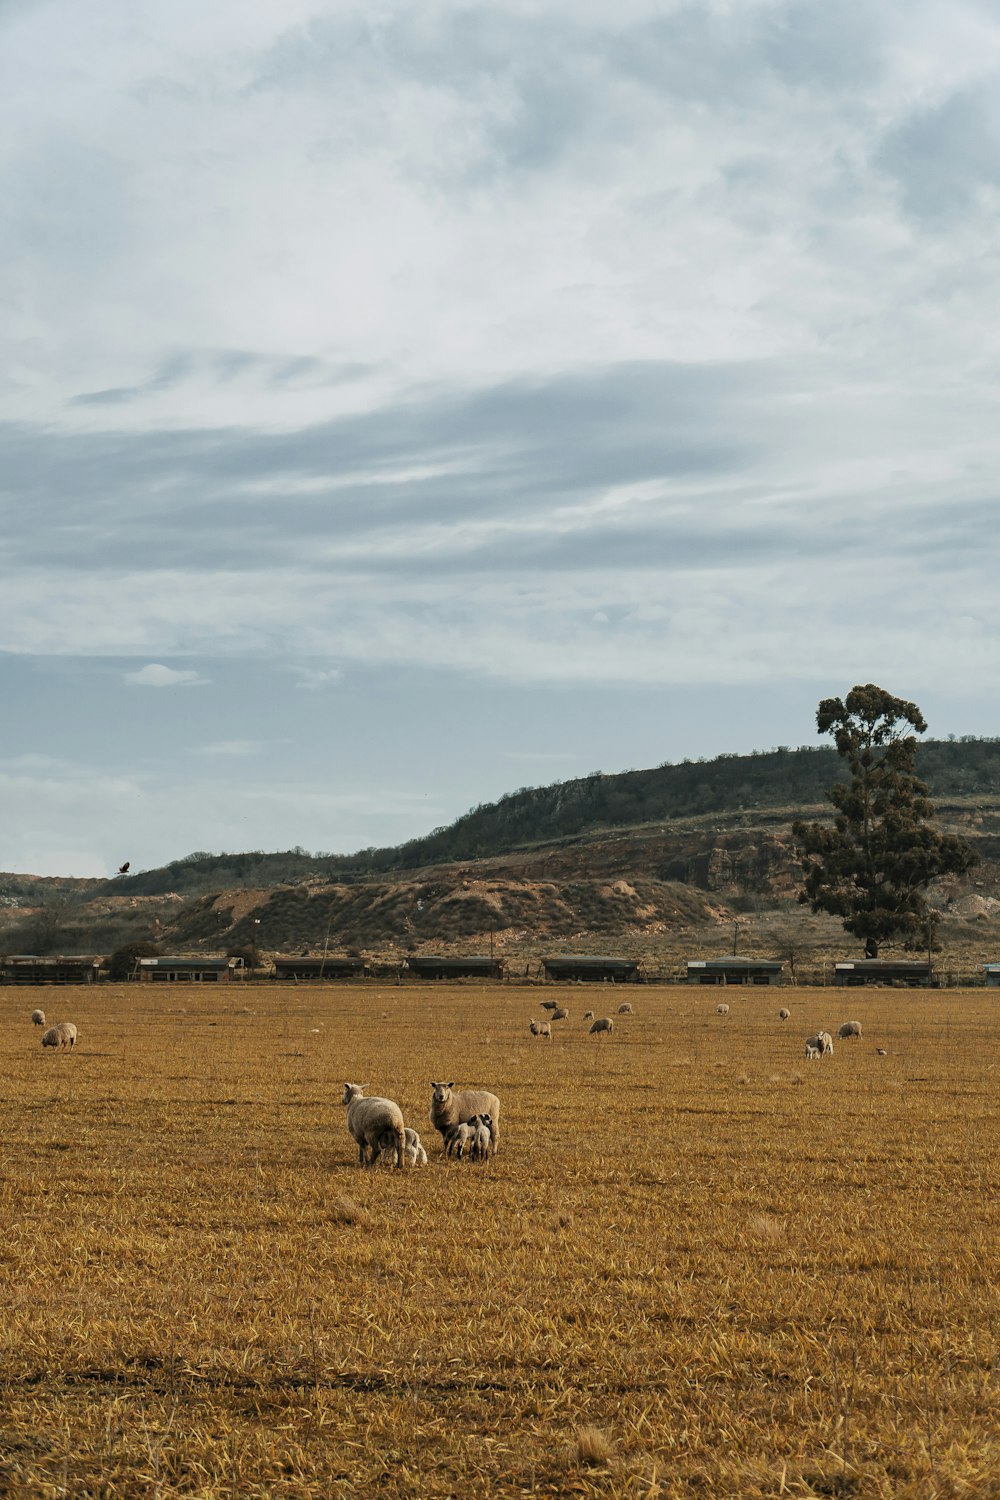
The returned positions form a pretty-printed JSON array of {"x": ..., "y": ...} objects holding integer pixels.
[{"x": 635, "y": 859}]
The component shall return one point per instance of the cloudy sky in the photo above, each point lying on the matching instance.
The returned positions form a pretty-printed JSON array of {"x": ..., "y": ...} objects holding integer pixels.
[{"x": 403, "y": 403}]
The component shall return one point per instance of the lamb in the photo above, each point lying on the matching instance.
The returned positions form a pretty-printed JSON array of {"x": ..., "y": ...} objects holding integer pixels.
[
  {"x": 722, "y": 1010},
  {"x": 783, "y": 1014},
  {"x": 479, "y": 1139},
  {"x": 849, "y": 1029},
  {"x": 458, "y": 1140},
  {"x": 625, "y": 1009},
  {"x": 602, "y": 1024},
  {"x": 540, "y": 1028},
  {"x": 449, "y": 1109},
  {"x": 820, "y": 1045},
  {"x": 414, "y": 1154},
  {"x": 370, "y": 1121},
  {"x": 560, "y": 1013},
  {"x": 62, "y": 1035},
  {"x": 38, "y": 1018}
]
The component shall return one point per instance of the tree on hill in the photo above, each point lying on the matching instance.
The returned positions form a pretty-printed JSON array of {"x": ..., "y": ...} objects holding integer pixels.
[
  {"x": 873, "y": 867},
  {"x": 123, "y": 960}
]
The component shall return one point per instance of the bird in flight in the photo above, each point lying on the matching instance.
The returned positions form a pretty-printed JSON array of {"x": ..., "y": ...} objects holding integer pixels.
[{"x": 123, "y": 869}]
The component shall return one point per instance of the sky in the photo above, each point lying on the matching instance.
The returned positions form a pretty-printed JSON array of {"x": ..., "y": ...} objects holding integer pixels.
[{"x": 402, "y": 404}]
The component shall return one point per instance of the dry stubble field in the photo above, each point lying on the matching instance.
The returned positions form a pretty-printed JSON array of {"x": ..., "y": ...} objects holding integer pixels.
[{"x": 699, "y": 1264}]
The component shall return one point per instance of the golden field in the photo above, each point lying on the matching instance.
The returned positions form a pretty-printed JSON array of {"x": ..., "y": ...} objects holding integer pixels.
[{"x": 699, "y": 1265}]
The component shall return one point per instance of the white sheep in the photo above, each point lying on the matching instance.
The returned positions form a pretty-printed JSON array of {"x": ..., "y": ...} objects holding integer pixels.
[
  {"x": 62, "y": 1035},
  {"x": 588, "y": 1015},
  {"x": 540, "y": 1028},
  {"x": 370, "y": 1121},
  {"x": 783, "y": 1014},
  {"x": 414, "y": 1154},
  {"x": 625, "y": 1009},
  {"x": 479, "y": 1141},
  {"x": 560, "y": 1013},
  {"x": 849, "y": 1029},
  {"x": 449, "y": 1108},
  {"x": 602, "y": 1024},
  {"x": 458, "y": 1139},
  {"x": 722, "y": 1010},
  {"x": 38, "y": 1018},
  {"x": 820, "y": 1045},
  {"x": 549, "y": 1004}
]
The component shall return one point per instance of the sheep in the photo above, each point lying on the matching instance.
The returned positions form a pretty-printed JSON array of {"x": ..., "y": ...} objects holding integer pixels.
[
  {"x": 783, "y": 1014},
  {"x": 38, "y": 1018},
  {"x": 62, "y": 1035},
  {"x": 811, "y": 1049},
  {"x": 458, "y": 1140},
  {"x": 370, "y": 1120},
  {"x": 588, "y": 1015},
  {"x": 602, "y": 1024},
  {"x": 625, "y": 1009},
  {"x": 722, "y": 1010},
  {"x": 820, "y": 1045},
  {"x": 549, "y": 1004},
  {"x": 414, "y": 1154},
  {"x": 540, "y": 1028},
  {"x": 479, "y": 1139},
  {"x": 849, "y": 1029},
  {"x": 449, "y": 1108},
  {"x": 560, "y": 1013}
]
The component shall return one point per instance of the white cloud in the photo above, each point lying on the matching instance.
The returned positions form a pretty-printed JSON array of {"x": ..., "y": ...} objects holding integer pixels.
[
  {"x": 232, "y": 747},
  {"x": 158, "y": 676},
  {"x": 312, "y": 679}
]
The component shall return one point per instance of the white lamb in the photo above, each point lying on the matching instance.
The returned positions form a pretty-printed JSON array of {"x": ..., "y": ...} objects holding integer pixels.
[
  {"x": 722, "y": 1010},
  {"x": 479, "y": 1139},
  {"x": 38, "y": 1018},
  {"x": 370, "y": 1121},
  {"x": 414, "y": 1154}
]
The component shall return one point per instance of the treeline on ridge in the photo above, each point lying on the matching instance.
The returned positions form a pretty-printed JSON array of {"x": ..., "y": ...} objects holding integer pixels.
[{"x": 781, "y": 778}]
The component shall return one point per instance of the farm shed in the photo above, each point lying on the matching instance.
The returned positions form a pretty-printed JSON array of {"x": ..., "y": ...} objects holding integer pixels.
[
  {"x": 29, "y": 968},
  {"x": 187, "y": 970},
  {"x": 436, "y": 966},
  {"x": 992, "y": 976},
  {"x": 592, "y": 969},
  {"x": 286, "y": 967},
  {"x": 734, "y": 970},
  {"x": 895, "y": 971}
]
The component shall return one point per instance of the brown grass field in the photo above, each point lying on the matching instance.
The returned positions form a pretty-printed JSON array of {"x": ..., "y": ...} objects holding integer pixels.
[{"x": 699, "y": 1265}]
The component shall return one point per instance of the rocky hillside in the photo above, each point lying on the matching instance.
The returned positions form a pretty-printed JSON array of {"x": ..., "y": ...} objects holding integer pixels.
[{"x": 597, "y": 886}]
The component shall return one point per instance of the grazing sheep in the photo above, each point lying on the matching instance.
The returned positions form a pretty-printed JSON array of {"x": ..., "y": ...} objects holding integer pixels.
[
  {"x": 38, "y": 1018},
  {"x": 479, "y": 1139},
  {"x": 62, "y": 1035},
  {"x": 722, "y": 1010},
  {"x": 783, "y": 1014},
  {"x": 414, "y": 1154},
  {"x": 602, "y": 1024},
  {"x": 540, "y": 1028},
  {"x": 549, "y": 1004},
  {"x": 588, "y": 1015},
  {"x": 820, "y": 1045},
  {"x": 449, "y": 1108},
  {"x": 560, "y": 1013},
  {"x": 625, "y": 1009},
  {"x": 370, "y": 1121},
  {"x": 849, "y": 1029}
]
